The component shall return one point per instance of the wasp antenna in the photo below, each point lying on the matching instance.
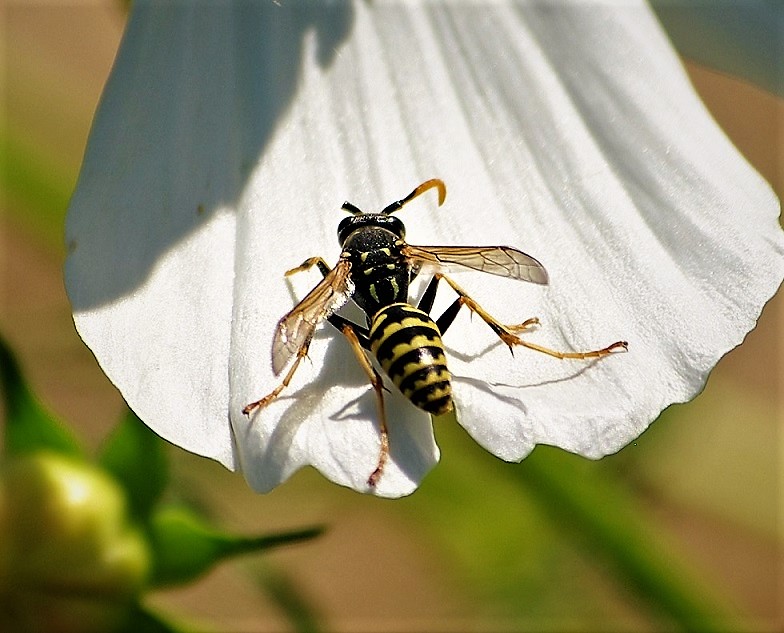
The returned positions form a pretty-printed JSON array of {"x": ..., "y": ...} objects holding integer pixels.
[
  {"x": 428, "y": 184},
  {"x": 351, "y": 208}
]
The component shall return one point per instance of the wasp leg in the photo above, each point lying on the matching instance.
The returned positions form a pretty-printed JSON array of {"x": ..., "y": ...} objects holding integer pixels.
[
  {"x": 263, "y": 402},
  {"x": 362, "y": 333},
  {"x": 528, "y": 324},
  {"x": 378, "y": 386},
  {"x": 445, "y": 320},
  {"x": 358, "y": 338},
  {"x": 302, "y": 352},
  {"x": 429, "y": 296},
  {"x": 507, "y": 332}
]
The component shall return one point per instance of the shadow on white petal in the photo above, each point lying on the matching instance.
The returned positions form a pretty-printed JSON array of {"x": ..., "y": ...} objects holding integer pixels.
[
  {"x": 193, "y": 100},
  {"x": 156, "y": 202}
]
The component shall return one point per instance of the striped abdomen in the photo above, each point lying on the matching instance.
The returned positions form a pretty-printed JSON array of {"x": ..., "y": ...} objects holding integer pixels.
[{"x": 408, "y": 346}]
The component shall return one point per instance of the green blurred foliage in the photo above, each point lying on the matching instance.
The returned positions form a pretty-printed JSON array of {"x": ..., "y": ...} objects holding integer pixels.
[
  {"x": 79, "y": 543},
  {"x": 137, "y": 459}
]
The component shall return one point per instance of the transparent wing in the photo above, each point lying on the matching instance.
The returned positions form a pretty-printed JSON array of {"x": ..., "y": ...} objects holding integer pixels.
[
  {"x": 296, "y": 328},
  {"x": 504, "y": 261}
]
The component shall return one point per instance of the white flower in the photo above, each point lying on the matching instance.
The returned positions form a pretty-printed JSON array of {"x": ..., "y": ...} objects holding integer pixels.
[{"x": 229, "y": 136}]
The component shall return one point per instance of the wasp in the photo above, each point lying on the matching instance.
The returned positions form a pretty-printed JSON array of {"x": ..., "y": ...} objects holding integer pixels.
[{"x": 375, "y": 269}]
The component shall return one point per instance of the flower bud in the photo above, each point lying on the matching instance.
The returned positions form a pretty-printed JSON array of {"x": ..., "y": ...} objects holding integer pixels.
[{"x": 70, "y": 559}]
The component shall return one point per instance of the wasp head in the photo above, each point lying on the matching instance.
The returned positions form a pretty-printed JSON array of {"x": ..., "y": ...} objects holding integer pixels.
[
  {"x": 361, "y": 220},
  {"x": 385, "y": 220}
]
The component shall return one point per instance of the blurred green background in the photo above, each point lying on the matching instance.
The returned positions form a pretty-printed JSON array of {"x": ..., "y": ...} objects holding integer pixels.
[{"x": 684, "y": 522}]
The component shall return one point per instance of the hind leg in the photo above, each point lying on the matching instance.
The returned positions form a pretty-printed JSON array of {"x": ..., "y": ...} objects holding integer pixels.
[{"x": 507, "y": 333}]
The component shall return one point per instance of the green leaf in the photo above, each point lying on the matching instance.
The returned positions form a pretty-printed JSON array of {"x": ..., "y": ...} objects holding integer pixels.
[
  {"x": 184, "y": 546},
  {"x": 600, "y": 514},
  {"x": 136, "y": 457},
  {"x": 29, "y": 427}
]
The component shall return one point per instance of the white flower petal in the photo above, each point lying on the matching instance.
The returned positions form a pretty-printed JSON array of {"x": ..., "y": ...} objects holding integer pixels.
[
  {"x": 569, "y": 131},
  {"x": 151, "y": 231}
]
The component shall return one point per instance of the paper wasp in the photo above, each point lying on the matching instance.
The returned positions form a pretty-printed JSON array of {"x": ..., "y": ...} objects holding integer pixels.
[{"x": 375, "y": 269}]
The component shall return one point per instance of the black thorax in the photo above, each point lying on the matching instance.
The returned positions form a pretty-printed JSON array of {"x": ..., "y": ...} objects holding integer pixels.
[{"x": 379, "y": 270}]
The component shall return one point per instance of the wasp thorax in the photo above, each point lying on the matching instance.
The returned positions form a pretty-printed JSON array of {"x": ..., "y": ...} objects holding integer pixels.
[{"x": 379, "y": 270}]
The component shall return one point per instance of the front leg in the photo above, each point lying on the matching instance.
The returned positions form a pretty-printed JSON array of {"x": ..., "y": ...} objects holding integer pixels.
[{"x": 263, "y": 402}]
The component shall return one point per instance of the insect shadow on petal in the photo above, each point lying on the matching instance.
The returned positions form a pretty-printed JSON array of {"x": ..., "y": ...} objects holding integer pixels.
[{"x": 375, "y": 269}]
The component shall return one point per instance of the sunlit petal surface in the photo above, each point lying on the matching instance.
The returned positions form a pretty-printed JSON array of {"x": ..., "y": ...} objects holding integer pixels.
[{"x": 229, "y": 137}]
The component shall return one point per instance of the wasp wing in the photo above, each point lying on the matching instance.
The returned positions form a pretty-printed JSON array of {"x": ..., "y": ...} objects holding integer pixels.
[
  {"x": 296, "y": 328},
  {"x": 504, "y": 261}
]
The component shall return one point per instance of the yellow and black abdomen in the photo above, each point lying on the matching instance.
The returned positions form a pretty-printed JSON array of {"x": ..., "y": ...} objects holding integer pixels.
[{"x": 407, "y": 344}]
